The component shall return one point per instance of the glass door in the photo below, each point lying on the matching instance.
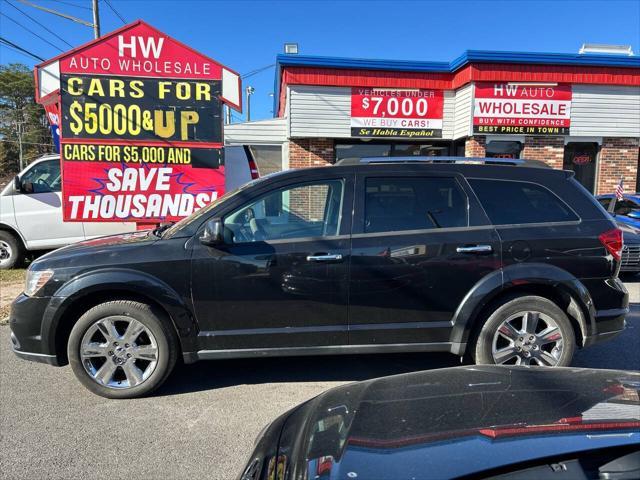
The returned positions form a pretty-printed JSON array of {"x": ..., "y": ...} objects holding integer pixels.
[{"x": 581, "y": 158}]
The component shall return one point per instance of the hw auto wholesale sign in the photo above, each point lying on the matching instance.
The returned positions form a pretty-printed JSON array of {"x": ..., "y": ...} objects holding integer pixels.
[
  {"x": 141, "y": 124},
  {"x": 389, "y": 112},
  {"x": 517, "y": 108}
]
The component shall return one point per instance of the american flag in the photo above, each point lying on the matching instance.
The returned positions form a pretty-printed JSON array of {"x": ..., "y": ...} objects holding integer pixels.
[{"x": 620, "y": 190}]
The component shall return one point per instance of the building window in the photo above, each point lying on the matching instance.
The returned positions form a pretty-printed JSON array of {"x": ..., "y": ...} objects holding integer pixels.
[
  {"x": 638, "y": 176},
  {"x": 268, "y": 158},
  {"x": 581, "y": 158},
  {"x": 360, "y": 149},
  {"x": 501, "y": 149}
]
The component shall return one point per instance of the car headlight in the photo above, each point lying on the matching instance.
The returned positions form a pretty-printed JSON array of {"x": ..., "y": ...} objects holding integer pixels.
[{"x": 36, "y": 279}]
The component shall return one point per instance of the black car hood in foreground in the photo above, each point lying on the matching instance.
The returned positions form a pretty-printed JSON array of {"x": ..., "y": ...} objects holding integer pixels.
[
  {"x": 452, "y": 422},
  {"x": 101, "y": 249}
]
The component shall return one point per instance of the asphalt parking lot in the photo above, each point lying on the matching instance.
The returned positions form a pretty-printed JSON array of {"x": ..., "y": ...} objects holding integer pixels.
[{"x": 201, "y": 423}]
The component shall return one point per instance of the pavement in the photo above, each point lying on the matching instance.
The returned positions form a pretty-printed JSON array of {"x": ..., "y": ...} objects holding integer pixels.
[{"x": 203, "y": 421}]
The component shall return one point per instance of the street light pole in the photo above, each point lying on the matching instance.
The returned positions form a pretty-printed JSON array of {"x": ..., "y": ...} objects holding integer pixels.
[
  {"x": 96, "y": 19},
  {"x": 249, "y": 91}
]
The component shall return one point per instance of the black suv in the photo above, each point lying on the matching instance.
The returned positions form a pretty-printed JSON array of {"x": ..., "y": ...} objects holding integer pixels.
[{"x": 509, "y": 264}]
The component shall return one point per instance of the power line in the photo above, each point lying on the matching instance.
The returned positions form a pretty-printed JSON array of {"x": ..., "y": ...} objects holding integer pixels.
[
  {"x": 59, "y": 14},
  {"x": 2, "y": 44},
  {"x": 30, "y": 31},
  {"x": 73, "y": 5},
  {"x": 25, "y": 143},
  {"x": 36, "y": 21},
  {"x": 19, "y": 48},
  {"x": 115, "y": 11},
  {"x": 256, "y": 71}
]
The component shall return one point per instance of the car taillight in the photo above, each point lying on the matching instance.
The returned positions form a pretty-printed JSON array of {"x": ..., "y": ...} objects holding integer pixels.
[
  {"x": 254, "y": 169},
  {"x": 612, "y": 241}
]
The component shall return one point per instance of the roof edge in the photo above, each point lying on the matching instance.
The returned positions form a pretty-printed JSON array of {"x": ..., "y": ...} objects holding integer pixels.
[{"x": 469, "y": 56}]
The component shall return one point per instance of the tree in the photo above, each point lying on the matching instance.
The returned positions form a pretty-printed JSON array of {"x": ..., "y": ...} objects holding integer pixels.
[{"x": 20, "y": 116}]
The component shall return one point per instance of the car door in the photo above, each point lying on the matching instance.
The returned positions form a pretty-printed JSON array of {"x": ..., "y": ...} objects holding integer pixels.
[
  {"x": 38, "y": 208},
  {"x": 280, "y": 280},
  {"x": 420, "y": 243}
]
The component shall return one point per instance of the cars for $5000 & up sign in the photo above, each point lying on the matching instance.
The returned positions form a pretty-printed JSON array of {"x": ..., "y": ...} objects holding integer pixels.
[{"x": 141, "y": 123}]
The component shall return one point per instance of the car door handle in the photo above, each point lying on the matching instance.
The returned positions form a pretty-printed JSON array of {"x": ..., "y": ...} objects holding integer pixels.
[
  {"x": 329, "y": 257},
  {"x": 475, "y": 249}
]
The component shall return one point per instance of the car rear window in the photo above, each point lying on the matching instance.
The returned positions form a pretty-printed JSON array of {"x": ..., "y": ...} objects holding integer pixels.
[{"x": 511, "y": 202}]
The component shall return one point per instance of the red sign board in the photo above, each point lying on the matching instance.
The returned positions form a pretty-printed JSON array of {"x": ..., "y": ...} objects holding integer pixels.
[
  {"x": 141, "y": 125},
  {"x": 389, "y": 112},
  {"x": 520, "y": 108}
]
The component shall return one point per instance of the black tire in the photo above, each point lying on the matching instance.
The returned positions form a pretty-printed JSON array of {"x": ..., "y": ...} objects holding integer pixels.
[
  {"x": 12, "y": 246},
  {"x": 157, "y": 323},
  {"x": 482, "y": 350}
]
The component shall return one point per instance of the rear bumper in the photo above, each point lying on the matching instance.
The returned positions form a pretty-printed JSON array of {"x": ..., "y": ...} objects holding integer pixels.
[
  {"x": 609, "y": 305},
  {"x": 25, "y": 321},
  {"x": 609, "y": 324}
]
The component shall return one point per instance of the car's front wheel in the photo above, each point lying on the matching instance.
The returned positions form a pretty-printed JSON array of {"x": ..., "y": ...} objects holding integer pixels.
[
  {"x": 122, "y": 349},
  {"x": 527, "y": 330}
]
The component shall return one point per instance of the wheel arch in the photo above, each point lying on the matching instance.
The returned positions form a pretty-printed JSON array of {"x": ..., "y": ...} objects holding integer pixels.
[
  {"x": 15, "y": 232},
  {"x": 543, "y": 280},
  {"x": 86, "y": 291}
]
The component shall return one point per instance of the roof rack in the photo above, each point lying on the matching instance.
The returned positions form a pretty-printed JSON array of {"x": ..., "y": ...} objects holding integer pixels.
[{"x": 431, "y": 159}]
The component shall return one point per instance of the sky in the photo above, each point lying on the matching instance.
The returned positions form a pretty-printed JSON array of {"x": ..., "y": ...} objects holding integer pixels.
[{"x": 247, "y": 35}]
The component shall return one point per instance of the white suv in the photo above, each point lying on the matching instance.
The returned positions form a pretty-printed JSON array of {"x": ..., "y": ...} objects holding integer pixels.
[
  {"x": 31, "y": 214},
  {"x": 31, "y": 208}
]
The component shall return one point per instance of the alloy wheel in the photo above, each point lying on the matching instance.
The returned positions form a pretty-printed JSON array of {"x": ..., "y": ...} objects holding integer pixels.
[
  {"x": 528, "y": 338},
  {"x": 119, "y": 352}
]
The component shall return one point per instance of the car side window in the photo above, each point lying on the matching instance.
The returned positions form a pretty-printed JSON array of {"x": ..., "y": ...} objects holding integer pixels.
[
  {"x": 625, "y": 207},
  {"x": 510, "y": 202},
  {"x": 42, "y": 178},
  {"x": 604, "y": 202},
  {"x": 303, "y": 210},
  {"x": 417, "y": 203}
]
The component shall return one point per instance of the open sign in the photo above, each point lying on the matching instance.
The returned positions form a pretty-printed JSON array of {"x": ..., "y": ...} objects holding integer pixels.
[{"x": 581, "y": 159}]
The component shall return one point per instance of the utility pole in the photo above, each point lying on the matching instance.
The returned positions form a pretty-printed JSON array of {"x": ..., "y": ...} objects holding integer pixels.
[
  {"x": 20, "y": 122},
  {"x": 227, "y": 114},
  {"x": 249, "y": 91},
  {"x": 96, "y": 19},
  {"x": 21, "y": 154}
]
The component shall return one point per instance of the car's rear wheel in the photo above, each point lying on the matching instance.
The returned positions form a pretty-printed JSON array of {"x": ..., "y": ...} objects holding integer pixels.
[
  {"x": 527, "y": 330},
  {"x": 122, "y": 349},
  {"x": 11, "y": 250}
]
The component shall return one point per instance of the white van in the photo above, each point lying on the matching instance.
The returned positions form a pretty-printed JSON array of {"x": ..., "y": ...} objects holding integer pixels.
[{"x": 31, "y": 208}]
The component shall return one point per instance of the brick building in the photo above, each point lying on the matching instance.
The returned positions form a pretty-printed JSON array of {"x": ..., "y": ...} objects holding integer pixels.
[{"x": 579, "y": 112}]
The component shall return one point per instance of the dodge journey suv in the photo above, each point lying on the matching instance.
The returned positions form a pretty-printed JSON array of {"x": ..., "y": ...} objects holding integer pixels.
[{"x": 504, "y": 264}]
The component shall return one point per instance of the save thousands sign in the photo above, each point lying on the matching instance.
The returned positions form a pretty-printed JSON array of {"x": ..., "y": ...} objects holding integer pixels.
[
  {"x": 394, "y": 112},
  {"x": 520, "y": 108},
  {"x": 141, "y": 126}
]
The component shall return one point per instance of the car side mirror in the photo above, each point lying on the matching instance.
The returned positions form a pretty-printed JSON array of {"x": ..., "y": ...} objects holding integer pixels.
[
  {"x": 17, "y": 183},
  {"x": 634, "y": 214},
  {"x": 213, "y": 233}
]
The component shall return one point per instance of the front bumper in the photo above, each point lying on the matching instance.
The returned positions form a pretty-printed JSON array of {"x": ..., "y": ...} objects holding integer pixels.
[{"x": 25, "y": 321}]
